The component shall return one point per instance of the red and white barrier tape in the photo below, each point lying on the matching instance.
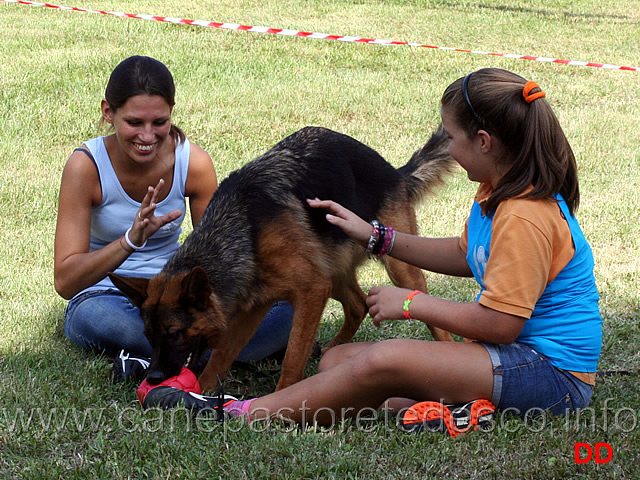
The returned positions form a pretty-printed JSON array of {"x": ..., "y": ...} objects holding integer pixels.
[{"x": 321, "y": 36}]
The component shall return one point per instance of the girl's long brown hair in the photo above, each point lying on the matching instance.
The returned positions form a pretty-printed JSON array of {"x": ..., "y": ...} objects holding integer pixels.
[{"x": 538, "y": 151}]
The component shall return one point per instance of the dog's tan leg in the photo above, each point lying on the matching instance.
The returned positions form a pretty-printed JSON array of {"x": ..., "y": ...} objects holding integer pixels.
[
  {"x": 239, "y": 332},
  {"x": 352, "y": 298},
  {"x": 407, "y": 276},
  {"x": 307, "y": 308}
]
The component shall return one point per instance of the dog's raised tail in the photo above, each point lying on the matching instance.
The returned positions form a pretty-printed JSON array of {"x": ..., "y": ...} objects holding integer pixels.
[{"x": 428, "y": 166}]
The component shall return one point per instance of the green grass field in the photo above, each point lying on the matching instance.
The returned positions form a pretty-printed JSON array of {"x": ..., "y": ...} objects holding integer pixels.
[{"x": 239, "y": 93}]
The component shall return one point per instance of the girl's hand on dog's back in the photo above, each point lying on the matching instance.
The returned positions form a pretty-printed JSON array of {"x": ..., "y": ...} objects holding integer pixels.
[{"x": 349, "y": 222}]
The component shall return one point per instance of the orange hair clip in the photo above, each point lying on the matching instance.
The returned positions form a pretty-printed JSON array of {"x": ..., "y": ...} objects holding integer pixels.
[{"x": 530, "y": 97}]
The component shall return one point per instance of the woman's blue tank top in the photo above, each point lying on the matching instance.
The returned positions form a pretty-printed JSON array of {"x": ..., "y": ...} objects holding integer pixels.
[{"x": 115, "y": 214}]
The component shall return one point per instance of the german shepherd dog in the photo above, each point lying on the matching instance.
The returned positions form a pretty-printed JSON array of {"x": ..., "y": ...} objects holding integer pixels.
[{"x": 259, "y": 242}]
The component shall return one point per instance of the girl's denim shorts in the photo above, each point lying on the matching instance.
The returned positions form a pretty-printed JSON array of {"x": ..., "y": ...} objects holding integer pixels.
[{"x": 525, "y": 382}]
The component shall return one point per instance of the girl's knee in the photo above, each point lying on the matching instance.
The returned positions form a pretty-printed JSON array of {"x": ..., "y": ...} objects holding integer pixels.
[
  {"x": 340, "y": 354},
  {"x": 330, "y": 359},
  {"x": 378, "y": 361}
]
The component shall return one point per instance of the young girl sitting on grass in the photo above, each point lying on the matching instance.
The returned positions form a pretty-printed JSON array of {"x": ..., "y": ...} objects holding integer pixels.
[{"x": 535, "y": 324}]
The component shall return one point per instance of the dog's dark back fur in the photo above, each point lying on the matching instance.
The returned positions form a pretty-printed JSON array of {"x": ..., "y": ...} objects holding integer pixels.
[
  {"x": 258, "y": 242},
  {"x": 312, "y": 162}
]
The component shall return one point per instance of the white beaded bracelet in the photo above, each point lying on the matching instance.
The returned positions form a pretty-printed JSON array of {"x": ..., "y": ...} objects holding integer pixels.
[{"x": 130, "y": 243}]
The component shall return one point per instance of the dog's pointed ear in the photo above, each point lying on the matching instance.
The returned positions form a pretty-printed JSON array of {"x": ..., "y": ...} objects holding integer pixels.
[
  {"x": 195, "y": 289},
  {"x": 133, "y": 287}
]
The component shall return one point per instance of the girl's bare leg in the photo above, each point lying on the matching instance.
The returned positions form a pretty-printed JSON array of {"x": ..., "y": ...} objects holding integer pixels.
[
  {"x": 340, "y": 354},
  {"x": 364, "y": 376}
]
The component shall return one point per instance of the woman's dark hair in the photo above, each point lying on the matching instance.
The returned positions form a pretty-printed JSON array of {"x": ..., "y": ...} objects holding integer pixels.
[
  {"x": 139, "y": 75},
  {"x": 539, "y": 153}
]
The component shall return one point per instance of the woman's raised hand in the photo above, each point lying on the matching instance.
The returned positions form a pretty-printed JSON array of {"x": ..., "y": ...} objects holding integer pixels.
[{"x": 146, "y": 222}]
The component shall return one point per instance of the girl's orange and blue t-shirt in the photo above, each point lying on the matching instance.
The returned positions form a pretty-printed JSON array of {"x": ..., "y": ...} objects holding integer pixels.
[{"x": 532, "y": 260}]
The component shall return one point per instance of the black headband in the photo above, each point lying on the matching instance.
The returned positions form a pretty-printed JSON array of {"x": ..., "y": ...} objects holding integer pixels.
[{"x": 465, "y": 94}]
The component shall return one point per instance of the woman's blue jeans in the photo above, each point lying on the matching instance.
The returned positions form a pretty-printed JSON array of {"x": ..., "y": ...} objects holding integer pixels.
[{"x": 107, "y": 321}]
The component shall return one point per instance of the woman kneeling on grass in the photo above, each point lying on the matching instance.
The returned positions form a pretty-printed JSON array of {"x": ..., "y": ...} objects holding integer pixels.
[{"x": 536, "y": 322}]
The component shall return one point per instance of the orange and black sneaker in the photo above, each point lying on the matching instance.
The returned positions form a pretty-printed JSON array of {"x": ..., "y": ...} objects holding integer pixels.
[{"x": 452, "y": 419}]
